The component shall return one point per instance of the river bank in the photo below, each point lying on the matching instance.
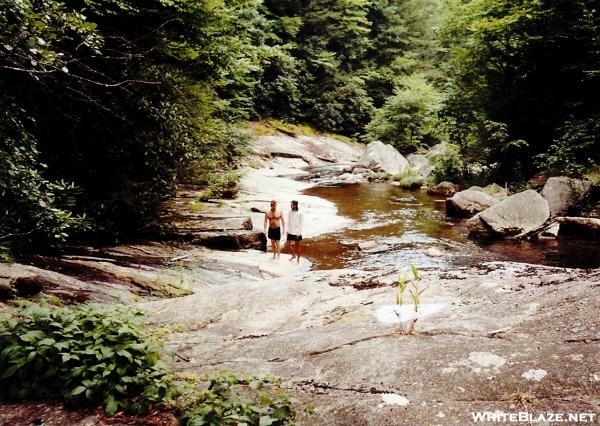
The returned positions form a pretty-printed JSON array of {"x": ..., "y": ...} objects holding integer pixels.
[{"x": 490, "y": 336}]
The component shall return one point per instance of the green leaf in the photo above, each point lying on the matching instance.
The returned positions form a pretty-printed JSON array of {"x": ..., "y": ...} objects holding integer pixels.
[
  {"x": 32, "y": 335},
  {"x": 111, "y": 407},
  {"x": 78, "y": 390},
  {"x": 266, "y": 420},
  {"x": 10, "y": 371}
]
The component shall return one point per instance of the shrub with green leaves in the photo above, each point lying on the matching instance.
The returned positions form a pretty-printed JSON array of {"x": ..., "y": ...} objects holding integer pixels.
[
  {"x": 232, "y": 400},
  {"x": 409, "y": 179},
  {"x": 81, "y": 355}
]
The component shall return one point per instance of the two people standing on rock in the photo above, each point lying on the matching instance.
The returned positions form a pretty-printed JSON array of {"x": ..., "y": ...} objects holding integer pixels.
[{"x": 275, "y": 222}]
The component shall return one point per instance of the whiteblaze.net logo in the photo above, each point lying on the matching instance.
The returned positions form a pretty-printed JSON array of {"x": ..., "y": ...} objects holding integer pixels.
[{"x": 527, "y": 417}]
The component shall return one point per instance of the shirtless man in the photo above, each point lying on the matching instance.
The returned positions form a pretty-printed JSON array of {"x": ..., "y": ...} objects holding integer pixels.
[{"x": 274, "y": 220}]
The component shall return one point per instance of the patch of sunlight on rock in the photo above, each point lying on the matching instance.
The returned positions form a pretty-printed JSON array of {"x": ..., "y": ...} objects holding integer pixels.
[
  {"x": 486, "y": 359},
  {"x": 535, "y": 374},
  {"x": 394, "y": 399}
]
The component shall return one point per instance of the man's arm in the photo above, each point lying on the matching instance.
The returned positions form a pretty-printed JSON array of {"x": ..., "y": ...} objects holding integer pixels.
[
  {"x": 266, "y": 222},
  {"x": 300, "y": 223},
  {"x": 282, "y": 224}
]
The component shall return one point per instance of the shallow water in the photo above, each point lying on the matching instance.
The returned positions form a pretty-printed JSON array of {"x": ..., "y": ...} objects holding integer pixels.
[{"x": 401, "y": 226}]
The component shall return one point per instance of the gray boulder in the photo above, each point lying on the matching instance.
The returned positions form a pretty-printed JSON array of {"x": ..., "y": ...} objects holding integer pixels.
[
  {"x": 496, "y": 191},
  {"x": 493, "y": 190},
  {"x": 439, "y": 149},
  {"x": 417, "y": 161},
  {"x": 420, "y": 163},
  {"x": 563, "y": 192},
  {"x": 361, "y": 170},
  {"x": 478, "y": 228},
  {"x": 383, "y": 157},
  {"x": 517, "y": 215},
  {"x": 469, "y": 202}
]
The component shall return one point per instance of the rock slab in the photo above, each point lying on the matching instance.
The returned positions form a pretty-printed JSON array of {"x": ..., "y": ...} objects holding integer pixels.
[
  {"x": 563, "y": 192},
  {"x": 469, "y": 202},
  {"x": 516, "y": 215},
  {"x": 447, "y": 189},
  {"x": 383, "y": 157}
]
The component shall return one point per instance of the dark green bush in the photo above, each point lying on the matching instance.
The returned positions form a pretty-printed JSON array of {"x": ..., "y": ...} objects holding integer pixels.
[{"x": 81, "y": 355}]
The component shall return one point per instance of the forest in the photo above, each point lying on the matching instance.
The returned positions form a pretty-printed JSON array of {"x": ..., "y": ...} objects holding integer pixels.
[{"x": 108, "y": 105}]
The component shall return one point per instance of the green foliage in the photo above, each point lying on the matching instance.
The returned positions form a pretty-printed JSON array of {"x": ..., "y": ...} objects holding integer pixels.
[
  {"x": 231, "y": 400},
  {"x": 575, "y": 150},
  {"x": 530, "y": 68},
  {"x": 415, "y": 291},
  {"x": 82, "y": 355},
  {"x": 31, "y": 207},
  {"x": 409, "y": 179},
  {"x": 106, "y": 106},
  {"x": 336, "y": 60},
  {"x": 5, "y": 255},
  {"x": 104, "y": 354},
  {"x": 405, "y": 119},
  {"x": 449, "y": 166},
  {"x": 220, "y": 185},
  {"x": 343, "y": 107}
]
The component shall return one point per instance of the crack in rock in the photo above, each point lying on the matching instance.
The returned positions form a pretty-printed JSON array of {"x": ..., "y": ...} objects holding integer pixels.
[
  {"x": 372, "y": 390},
  {"x": 353, "y": 342}
]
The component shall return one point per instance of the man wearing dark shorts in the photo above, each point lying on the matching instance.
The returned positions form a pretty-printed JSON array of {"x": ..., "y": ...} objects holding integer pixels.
[
  {"x": 274, "y": 221},
  {"x": 294, "y": 235}
]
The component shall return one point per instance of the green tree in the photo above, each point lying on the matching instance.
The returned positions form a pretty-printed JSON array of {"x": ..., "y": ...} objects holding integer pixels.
[{"x": 405, "y": 121}]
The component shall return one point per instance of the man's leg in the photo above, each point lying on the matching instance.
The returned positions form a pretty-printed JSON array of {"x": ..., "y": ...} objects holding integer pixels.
[
  {"x": 273, "y": 247},
  {"x": 278, "y": 249},
  {"x": 297, "y": 250}
]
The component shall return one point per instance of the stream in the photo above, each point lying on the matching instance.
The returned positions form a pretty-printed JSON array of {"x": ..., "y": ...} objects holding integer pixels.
[{"x": 399, "y": 227}]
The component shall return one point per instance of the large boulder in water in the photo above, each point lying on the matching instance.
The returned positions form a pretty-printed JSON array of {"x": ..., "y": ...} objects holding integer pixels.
[
  {"x": 468, "y": 202},
  {"x": 383, "y": 157},
  {"x": 447, "y": 189},
  {"x": 515, "y": 216},
  {"x": 563, "y": 192}
]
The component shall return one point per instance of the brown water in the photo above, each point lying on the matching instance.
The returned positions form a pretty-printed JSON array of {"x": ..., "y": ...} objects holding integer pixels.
[{"x": 401, "y": 226}]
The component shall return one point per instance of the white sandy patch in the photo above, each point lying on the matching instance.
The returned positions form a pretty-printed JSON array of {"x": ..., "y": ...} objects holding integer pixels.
[
  {"x": 535, "y": 374},
  {"x": 487, "y": 359},
  {"x": 394, "y": 399}
]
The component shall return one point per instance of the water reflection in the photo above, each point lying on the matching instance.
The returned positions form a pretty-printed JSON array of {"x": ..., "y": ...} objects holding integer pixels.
[{"x": 396, "y": 227}]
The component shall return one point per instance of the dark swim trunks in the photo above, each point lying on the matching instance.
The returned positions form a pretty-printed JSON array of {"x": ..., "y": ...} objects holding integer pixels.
[
  {"x": 274, "y": 234},
  {"x": 292, "y": 237}
]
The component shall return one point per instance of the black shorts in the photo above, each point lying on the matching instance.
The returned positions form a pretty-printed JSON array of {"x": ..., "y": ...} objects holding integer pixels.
[
  {"x": 292, "y": 237},
  {"x": 274, "y": 234}
]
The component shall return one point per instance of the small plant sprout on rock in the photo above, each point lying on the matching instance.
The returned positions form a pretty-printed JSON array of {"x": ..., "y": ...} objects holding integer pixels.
[{"x": 415, "y": 291}]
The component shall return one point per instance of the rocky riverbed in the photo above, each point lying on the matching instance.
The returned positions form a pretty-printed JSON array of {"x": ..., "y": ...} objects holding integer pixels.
[{"x": 489, "y": 336}]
